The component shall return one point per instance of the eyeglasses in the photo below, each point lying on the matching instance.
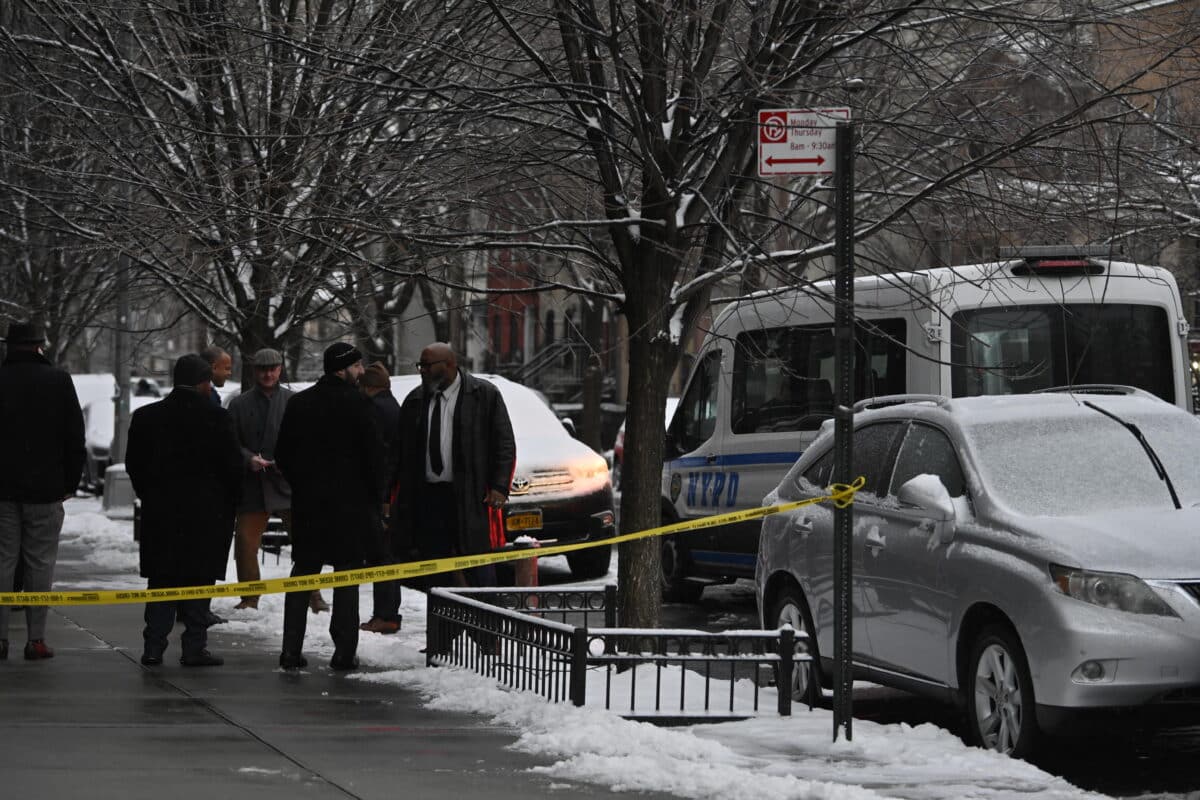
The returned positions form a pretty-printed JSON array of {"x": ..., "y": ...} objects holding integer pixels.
[{"x": 428, "y": 364}]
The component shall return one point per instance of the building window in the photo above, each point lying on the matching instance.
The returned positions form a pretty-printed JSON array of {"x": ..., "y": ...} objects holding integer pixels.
[{"x": 514, "y": 335}]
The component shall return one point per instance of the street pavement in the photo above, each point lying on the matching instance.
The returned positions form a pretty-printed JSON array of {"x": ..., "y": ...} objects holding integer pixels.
[{"x": 93, "y": 723}]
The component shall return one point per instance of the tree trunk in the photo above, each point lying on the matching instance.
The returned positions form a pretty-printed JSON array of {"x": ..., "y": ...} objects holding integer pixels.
[{"x": 651, "y": 359}]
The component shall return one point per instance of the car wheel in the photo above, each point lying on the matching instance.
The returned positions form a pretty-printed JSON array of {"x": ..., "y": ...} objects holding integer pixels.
[
  {"x": 675, "y": 586},
  {"x": 590, "y": 563},
  {"x": 999, "y": 695},
  {"x": 789, "y": 608}
]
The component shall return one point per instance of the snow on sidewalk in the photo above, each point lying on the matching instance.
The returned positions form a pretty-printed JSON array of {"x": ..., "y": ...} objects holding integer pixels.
[{"x": 765, "y": 758}]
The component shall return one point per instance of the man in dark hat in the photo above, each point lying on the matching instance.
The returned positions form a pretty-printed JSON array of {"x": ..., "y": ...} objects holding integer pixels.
[
  {"x": 330, "y": 451},
  {"x": 256, "y": 415},
  {"x": 41, "y": 428},
  {"x": 376, "y": 384},
  {"x": 186, "y": 468}
]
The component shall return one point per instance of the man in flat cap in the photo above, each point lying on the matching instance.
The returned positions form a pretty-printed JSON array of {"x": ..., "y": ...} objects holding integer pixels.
[
  {"x": 256, "y": 415},
  {"x": 330, "y": 451},
  {"x": 186, "y": 468},
  {"x": 41, "y": 428}
]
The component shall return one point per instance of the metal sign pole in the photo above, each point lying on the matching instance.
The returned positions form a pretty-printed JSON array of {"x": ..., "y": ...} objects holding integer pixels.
[{"x": 843, "y": 518}]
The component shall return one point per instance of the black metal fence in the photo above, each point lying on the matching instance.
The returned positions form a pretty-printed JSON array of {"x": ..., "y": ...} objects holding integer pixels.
[{"x": 543, "y": 640}]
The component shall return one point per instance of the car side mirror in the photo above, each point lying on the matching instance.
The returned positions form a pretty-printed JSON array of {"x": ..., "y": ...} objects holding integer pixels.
[
  {"x": 569, "y": 424},
  {"x": 927, "y": 493}
]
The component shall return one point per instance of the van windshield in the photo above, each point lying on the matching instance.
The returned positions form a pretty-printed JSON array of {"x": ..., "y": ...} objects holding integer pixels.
[{"x": 1024, "y": 348}]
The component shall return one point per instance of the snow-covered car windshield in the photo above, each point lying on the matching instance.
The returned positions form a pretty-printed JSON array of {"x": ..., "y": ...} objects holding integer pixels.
[{"x": 1063, "y": 466}]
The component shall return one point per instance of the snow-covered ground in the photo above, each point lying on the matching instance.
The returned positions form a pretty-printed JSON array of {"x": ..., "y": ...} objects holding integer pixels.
[{"x": 762, "y": 758}]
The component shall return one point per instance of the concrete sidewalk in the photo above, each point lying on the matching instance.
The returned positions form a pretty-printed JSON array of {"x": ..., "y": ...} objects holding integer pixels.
[{"x": 93, "y": 723}]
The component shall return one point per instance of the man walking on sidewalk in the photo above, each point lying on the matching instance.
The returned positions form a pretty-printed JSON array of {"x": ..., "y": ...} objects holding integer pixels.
[
  {"x": 330, "y": 451},
  {"x": 257, "y": 414},
  {"x": 186, "y": 468},
  {"x": 41, "y": 428}
]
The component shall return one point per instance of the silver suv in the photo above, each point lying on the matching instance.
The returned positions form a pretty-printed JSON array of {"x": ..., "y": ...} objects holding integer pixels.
[{"x": 1034, "y": 558}]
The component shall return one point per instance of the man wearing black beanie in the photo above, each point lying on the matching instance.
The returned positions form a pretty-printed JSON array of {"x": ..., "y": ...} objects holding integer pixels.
[
  {"x": 330, "y": 451},
  {"x": 185, "y": 464}
]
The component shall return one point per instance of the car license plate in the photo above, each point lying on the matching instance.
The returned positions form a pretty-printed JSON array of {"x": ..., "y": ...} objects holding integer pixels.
[{"x": 525, "y": 521}]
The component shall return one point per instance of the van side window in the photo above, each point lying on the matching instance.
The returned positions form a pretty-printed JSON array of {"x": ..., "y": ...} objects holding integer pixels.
[
  {"x": 928, "y": 451},
  {"x": 783, "y": 378},
  {"x": 696, "y": 416}
]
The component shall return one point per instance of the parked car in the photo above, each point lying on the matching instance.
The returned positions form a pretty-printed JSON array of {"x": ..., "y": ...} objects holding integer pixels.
[
  {"x": 96, "y": 392},
  {"x": 1034, "y": 558},
  {"x": 561, "y": 489},
  {"x": 618, "y": 451}
]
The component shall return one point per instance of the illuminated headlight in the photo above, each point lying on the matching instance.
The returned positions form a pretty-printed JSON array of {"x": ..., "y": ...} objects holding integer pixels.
[
  {"x": 590, "y": 469},
  {"x": 1110, "y": 590}
]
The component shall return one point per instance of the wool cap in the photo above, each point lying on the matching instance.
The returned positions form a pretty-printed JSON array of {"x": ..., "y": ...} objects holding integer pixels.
[
  {"x": 375, "y": 377},
  {"x": 191, "y": 370},
  {"x": 339, "y": 355},
  {"x": 267, "y": 357},
  {"x": 25, "y": 333}
]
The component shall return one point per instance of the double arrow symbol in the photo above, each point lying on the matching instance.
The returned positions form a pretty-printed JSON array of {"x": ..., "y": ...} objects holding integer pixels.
[{"x": 772, "y": 161}]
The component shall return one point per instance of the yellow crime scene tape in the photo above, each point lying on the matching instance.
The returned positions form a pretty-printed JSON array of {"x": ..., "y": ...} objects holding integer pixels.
[{"x": 841, "y": 495}]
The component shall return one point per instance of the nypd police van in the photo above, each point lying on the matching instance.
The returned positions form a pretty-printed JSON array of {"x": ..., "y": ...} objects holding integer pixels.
[{"x": 763, "y": 380}]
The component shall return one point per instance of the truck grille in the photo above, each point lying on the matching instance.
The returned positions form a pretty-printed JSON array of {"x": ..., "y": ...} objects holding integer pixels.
[{"x": 541, "y": 482}]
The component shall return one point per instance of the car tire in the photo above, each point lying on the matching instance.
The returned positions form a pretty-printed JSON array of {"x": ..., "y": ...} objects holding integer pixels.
[
  {"x": 675, "y": 586},
  {"x": 790, "y": 608},
  {"x": 591, "y": 563},
  {"x": 999, "y": 696}
]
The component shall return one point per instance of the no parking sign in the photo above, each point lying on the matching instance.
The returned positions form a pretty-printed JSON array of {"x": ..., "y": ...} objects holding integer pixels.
[{"x": 798, "y": 141}]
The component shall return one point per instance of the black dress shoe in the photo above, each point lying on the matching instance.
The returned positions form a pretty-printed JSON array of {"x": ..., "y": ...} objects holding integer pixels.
[
  {"x": 201, "y": 659},
  {"x": 211, "y": 619},
  {"x": 292, "y": 660},
  {"x": 343, "y": 663},
  {"x": 151, "y": 659}
]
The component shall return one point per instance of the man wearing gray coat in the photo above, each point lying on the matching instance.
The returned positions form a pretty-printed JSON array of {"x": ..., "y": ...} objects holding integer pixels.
[{"x": 257, "y": 414}]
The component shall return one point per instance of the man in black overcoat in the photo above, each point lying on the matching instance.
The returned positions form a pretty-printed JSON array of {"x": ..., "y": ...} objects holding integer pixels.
[
  {"x": 330, "y": 451},
  {"x": 457, "y": 455},
  {"x": 41, "y": 459},
  {"x": 185, "y": 464}
]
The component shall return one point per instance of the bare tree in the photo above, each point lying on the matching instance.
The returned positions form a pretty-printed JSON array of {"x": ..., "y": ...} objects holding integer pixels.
[
  {"x": 51, "y": 268},
  {"x": 261, "y": 150}
]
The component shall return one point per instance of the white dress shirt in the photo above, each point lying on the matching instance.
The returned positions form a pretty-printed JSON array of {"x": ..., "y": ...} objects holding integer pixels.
[{"x": 449, "y": 401}]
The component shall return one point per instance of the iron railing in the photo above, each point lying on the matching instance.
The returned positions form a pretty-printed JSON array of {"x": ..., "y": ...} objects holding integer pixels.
[{"x": 542, "y": 640}]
